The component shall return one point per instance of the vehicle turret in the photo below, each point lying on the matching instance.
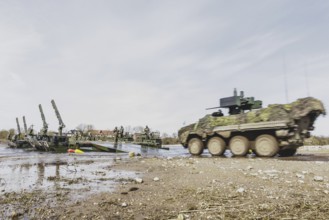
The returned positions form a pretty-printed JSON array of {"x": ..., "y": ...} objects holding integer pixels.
[{"x": 237, "y": 104}]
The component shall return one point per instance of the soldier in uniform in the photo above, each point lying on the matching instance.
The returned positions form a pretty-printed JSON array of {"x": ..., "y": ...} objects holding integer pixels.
[
  {"x": 116, "y": 133},
  {"x": 31, "y": 131},
  {"x": 121, "y": 132},
  {"x": 147, "y": 131},
  {"x": 9, "y": 136}
]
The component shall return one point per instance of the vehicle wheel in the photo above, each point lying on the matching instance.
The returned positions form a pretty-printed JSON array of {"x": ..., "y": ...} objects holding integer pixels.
[
  {"x": 216, "y": 146},
  {"x": 239, "y": 146},
  {"x": 287, "y": 152},
  {"x": 195, "y": 146},
  {"x": 266, "y": 146}
]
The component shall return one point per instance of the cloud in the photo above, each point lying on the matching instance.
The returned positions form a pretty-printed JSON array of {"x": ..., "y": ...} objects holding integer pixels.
[{"x": 109, "y": 63}]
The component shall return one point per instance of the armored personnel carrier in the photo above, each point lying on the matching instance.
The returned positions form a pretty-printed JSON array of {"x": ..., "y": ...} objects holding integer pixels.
[{"x": 277, "y": 129}]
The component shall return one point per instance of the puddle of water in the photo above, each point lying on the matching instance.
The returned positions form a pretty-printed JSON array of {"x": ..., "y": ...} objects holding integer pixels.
[{"x": 89, "y": 173}]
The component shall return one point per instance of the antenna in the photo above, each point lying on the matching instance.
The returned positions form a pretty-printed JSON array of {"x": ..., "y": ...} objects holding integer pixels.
[
  {"x": 306, "y": 79},
  {"x": 285, "y": 78}
]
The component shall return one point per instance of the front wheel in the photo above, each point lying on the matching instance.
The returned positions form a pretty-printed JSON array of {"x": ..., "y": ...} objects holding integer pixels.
[
  {"x": 266, "y": 146},
  {"x": 195, "y": 146}
]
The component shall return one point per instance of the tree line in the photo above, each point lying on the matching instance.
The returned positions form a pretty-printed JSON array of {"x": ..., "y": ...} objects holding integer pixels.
[
  {"x": 4, "y": 133},
  {"x": 316, "y": 140}
]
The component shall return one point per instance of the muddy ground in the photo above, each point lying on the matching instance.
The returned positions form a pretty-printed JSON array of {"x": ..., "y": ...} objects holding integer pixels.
[{"x": 188, "y": 188}]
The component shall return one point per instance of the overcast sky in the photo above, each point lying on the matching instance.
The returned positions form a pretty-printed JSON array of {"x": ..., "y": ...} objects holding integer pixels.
[{"x": 157, "y": 63}]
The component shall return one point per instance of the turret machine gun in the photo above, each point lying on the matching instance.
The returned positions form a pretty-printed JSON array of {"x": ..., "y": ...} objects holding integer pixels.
[{"x": 237, "y": 104}]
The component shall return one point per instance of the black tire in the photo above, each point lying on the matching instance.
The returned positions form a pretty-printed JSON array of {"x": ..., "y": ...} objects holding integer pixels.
[
  {"x": 195, "y": 146},
  {"x": 287, "y": 152}
]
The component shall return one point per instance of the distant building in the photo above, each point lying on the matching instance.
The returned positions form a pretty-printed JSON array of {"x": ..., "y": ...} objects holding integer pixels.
[{"x": 102, "y": 132}]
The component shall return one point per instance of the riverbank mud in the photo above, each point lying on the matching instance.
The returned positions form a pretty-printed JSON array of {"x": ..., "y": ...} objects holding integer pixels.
[{"x": 166, "y": 187}]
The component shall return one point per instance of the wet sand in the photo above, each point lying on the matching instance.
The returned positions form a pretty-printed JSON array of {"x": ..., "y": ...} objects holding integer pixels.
[{"x": 174, "y": 185}]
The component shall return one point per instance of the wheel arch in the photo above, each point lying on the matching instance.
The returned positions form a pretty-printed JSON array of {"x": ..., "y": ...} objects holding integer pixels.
[
  {"x": 226, "y": 140},
  {"x": 188, "y": 137}
]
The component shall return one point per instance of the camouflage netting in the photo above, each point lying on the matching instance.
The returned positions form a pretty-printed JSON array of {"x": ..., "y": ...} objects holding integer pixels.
[
  {"x": 275, "y": 112},
  {"x": 304, "y": 106}
]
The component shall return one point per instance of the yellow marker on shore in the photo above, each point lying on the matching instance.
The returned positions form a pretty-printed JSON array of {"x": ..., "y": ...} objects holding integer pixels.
[{"x": 77, "y": 151}]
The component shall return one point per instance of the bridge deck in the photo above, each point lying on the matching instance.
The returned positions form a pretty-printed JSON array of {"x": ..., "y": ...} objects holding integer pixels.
[{"x": 120, "y": 148}]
